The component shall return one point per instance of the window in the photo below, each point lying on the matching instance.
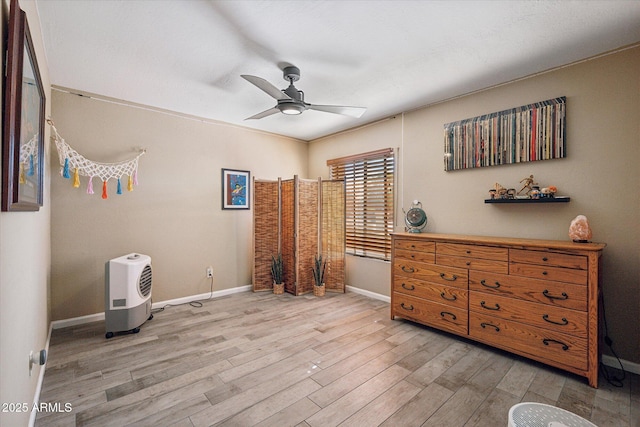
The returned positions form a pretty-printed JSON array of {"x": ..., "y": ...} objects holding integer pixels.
[{"x": 369, "y": 201}]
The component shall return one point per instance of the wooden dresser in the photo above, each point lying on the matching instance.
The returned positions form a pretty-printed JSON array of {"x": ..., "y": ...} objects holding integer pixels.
[{"x": 535, "y": 298}]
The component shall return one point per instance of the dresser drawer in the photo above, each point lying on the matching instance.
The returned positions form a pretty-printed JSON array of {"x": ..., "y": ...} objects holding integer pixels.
[
  {"x": 550, "y": 273},
  {"x": 448, "y": 276},
  {"x": 415, "y": 245},
  {"x": 578, "y": 262},
  {"x": 430, "y": 313},
  {"x": 448, "y": 295},
  {"x": 473, "y": 263},
  {"x": 558, "y": 294},
  {"x": 428, "y": 257},
  {"x": 544, "y": 316},
  {"x": 536, "y": 343},
  {"x": 474, "y": 251}
]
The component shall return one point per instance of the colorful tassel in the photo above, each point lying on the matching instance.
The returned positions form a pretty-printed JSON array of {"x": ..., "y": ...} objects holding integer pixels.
[
  {"x": 32, "y": 169},
  {"x": 104, "y": 190},
  {"x": 119, "y": 190},
  {"x": 135, "y": 177},
  {"x": 90, "y": 186},
  {"x": 65, "y": 171},
  {"x": 130, "y": 184},
  {"x": 76, "y": 178},
  {"x": 22, "y": 178}
]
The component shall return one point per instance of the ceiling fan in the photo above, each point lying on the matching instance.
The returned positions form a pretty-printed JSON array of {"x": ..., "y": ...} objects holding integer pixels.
[{"x": 291, "y": 100}]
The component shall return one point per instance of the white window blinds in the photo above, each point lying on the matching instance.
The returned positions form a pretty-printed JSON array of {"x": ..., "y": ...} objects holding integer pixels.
[{"x": 369, "y": 201}]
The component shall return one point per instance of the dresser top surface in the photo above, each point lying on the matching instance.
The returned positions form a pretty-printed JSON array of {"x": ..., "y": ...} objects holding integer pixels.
[{"x": 566, "y": 245}]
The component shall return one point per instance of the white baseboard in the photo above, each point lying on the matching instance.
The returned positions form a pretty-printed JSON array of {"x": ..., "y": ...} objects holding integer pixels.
[
  {"x": 59, "y": 324},
  {"x": 36, "y": 395},
  {"x": 201, "y": 297},
  {"x": 627, "y": 365},
  {"x": 74, "y": 321},
  {"x": 369, "y": 294}
]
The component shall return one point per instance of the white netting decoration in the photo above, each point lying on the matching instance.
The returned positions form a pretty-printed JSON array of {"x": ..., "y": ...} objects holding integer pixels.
[
  {"x": 74, "y": 163},
  {"x": 29, "y": 150},
  {"x": 28, "y": 159}
]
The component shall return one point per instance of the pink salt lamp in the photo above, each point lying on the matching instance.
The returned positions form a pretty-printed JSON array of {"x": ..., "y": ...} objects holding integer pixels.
[{"x": 579, "y": 230}]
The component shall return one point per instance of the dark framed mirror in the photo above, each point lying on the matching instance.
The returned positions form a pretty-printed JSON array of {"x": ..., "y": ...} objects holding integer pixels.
[{"x": 24, "y": 110}]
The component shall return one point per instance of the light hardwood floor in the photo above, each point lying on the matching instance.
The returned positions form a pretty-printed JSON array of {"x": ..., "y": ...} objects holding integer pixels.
[{"x": 278, "y": 360}]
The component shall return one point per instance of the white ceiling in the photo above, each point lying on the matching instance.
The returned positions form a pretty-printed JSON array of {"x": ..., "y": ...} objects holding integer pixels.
[{"x": 389, "y": 56}]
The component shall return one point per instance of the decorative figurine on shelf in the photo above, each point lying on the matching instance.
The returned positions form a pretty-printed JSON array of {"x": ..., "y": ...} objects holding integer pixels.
[
  {"x": 579, "y": 230},
  {"x": 548, "y": 192},
  {"x": 535, "y": 192},
  {"x": 501, "y": 192},
  {"x": 527, "y": 184}
]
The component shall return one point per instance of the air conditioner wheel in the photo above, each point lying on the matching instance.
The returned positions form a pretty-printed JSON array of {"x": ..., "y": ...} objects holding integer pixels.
[{"x": 109, "y": 335}]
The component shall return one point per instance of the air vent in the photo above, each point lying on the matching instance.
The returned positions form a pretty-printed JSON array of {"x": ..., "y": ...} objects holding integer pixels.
[{"x": 144, "y": 284}]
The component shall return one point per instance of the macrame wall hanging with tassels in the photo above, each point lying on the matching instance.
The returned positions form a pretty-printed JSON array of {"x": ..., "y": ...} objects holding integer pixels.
[{"x": 74, "y": 163}]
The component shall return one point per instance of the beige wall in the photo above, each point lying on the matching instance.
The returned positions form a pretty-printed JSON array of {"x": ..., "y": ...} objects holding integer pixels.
[
  {"x": 174, "y": 215},
  {"x": 600, "y": 174},
  {"x": 24, "y": 270}
]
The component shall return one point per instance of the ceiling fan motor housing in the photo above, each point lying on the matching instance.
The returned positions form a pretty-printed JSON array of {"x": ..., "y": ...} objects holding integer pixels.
[{"x": 294, "y": 93}]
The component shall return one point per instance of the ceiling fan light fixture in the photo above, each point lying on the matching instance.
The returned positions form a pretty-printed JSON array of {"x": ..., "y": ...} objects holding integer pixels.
[{"x": 291, "y": 109}]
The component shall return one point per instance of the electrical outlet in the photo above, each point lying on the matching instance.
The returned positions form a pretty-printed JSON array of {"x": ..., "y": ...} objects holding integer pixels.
[{"x": 209, "y": 271}]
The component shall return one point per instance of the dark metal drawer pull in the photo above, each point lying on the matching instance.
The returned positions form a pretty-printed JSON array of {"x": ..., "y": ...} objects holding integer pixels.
[
  {"x": 484, "y": 325},
  {"x": 453, "y": 316},
  {"x": 546, "y": 341},
  {"x": 483, "y": 304},
  {"x": 408, "y": 288},
  {"x": 546, "y": 294},
  {"x": 407, "y": 307},
  {"x": 408, "y": 270},
  {"x": 545, "y": 259},
  {"x": 453, "y": 279},
  {"x": 564, "y": 321},
  {"x": 443, "y": 295},
  {"x": 484, "y": 283}
]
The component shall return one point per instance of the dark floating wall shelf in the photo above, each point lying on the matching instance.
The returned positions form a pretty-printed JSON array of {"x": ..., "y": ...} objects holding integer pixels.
[{"x": 530, "y": 201}]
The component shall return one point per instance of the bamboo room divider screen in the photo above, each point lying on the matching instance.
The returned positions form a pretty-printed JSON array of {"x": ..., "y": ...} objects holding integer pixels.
[{"x": 299, "y": 218}]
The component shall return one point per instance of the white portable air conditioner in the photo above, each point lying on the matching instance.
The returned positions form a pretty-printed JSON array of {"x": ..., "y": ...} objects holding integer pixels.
[{"x": 127, "y": 293}]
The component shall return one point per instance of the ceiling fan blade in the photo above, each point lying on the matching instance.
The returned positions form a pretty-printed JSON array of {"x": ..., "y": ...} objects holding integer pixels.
[
  {"x": 265, "y": 113},
  {"x": 266, "y": 86},
  {"x": 339, "y": 109}
]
